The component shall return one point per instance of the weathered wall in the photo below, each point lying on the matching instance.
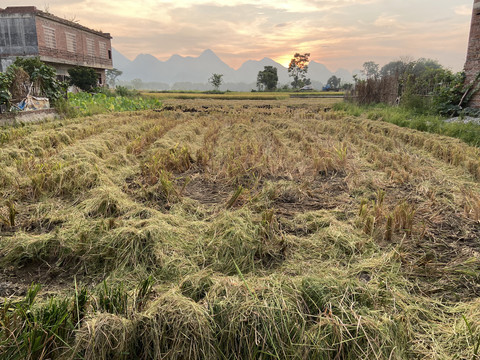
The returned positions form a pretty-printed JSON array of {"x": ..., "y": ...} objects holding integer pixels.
[
  {"x": 26, "y": 31},
  {"x": 18, "y": 36},
  {"x": 22, "y": 33},
  {"x": 80, "y": 57},
  {"x": 472, "y": 65},
  {"x": 28, "y": 117},
  {"x": 5, "y": 63}
]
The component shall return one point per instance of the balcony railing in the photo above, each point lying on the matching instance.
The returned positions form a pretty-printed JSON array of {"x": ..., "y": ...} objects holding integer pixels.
[{"x": 68, "y": 57}]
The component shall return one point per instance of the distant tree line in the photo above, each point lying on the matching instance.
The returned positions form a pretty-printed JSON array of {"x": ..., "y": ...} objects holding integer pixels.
[{"x": 423, "y": 85}]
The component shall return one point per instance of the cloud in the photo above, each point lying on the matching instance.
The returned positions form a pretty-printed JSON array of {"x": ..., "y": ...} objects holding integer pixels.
[
  {"x": 339, "y": 33},
  {"x": 464, "y": 10},
  {"x": 390, "y": 21}
]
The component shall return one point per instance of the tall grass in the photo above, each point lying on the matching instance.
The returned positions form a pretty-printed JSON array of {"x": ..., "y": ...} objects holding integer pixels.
[
  {"x": 86, "y": 104},
  {"x": 401, "y": 116}
]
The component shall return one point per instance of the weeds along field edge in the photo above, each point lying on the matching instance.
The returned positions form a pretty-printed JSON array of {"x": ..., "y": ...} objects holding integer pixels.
[
  {"x": 237, "y": 230},
  {"x": 281, "y": 95},
  {"x": 467, "y": 132}
]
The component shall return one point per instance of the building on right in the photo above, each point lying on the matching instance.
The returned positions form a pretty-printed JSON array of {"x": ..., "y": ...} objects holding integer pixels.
[{"x": 472, "y": 65}]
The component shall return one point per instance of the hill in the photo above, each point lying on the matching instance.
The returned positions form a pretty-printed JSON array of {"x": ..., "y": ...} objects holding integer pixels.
[{"x": 192, "y": 73}]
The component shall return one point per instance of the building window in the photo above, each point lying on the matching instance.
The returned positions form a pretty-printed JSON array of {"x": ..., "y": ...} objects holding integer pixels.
[
  {"x": 90, "y": 47},
  {"x": 71, "y": 42},
  {"x": 110, "y": 54},
  {"x": 103, "y": 50},
  {"x": 50, "y": 40}
]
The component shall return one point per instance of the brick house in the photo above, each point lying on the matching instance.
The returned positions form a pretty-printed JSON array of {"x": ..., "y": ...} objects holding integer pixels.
[
  {"x": 28, "y": 32},
  {"x": 472, "y": 65}
]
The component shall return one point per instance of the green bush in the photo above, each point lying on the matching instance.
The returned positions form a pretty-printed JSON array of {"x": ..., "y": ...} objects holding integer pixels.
[
  {"x": 419, "y": 104},
  {"x": 86, "y": 104},
  {"x": 449, "y": 100},
  {"x": 6, "y": 79},
  {"x": 43, "y": 76},
  {"x": 65, "y": 108},
  {"x": 84, "y": 78},
  {"x": 123, "y": 91},
  {"x": 104, "y": 90}
]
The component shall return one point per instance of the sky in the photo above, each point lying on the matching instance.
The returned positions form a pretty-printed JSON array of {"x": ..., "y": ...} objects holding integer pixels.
[{"x": 337, "y": 33}]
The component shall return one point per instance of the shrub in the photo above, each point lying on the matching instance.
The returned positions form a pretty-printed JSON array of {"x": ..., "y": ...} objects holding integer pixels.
[
  {"x": 26, "y": 70},
  {"x": 6, "y": 79},
  {"x": 422, "y": 86},
  {"x": 65, "y": 108},
  {"x": 84, "y": 78},
  {"x": 43, "y": 76},
  {"x": 86, "y": 104},
  {"x": 123, "y": 91}
]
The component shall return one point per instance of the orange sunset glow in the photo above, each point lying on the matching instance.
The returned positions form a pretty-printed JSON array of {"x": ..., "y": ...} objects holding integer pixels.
[{"x": 339, "y": 34}]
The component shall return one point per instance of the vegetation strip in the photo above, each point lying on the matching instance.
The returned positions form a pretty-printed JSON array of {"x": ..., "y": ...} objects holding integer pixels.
[{"x": 404, "y": 117}]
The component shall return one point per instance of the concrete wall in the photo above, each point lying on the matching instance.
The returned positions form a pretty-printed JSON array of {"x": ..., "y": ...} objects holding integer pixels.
[
  {"x": 18, "y": 37},
  {"x": 5, "y": 63},
  {"x": 472, "y": 65},
  {"x": 27, "y": 117}
]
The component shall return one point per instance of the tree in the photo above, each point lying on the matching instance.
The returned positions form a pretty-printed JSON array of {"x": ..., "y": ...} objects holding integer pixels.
[
  {"x": 298, "y": 69},
  {"x": 6, "y": 80},
  {"x": 347, "y": 86},
  {"x": 409, "y": 66},
  {"x": 137, "y": 84},
  {"x": 370, "y": 70},
  {"x": 30, "y": 65},
  {"x": 112, "y": 76},
  {"x": 216, "y": 81},
  {"x": 268, "y": 78},
  {"x": 83, "y": 77},
  {"x": 422, "y": 65},
  {"x": 334, "y": 82},
  {"x": 43, "y": 76},
  {"x": 393, "y": 68}
]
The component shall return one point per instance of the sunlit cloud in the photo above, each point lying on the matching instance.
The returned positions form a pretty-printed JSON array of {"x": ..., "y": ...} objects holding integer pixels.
[
  {"x": 390, "y": 21},
  {"x": 464, "y": 10},
  {"x": 338, "y": 33}
]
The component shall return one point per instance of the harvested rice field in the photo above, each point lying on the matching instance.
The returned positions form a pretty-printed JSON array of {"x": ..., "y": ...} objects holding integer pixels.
[
  {"x": 216, "y": 229},
  {"x": 261, "y": 95}
]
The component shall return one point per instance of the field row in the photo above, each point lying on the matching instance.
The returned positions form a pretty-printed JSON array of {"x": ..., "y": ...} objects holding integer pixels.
[
  {"x": 265, "y": 96},
  {"x": 234, "y": 230}
]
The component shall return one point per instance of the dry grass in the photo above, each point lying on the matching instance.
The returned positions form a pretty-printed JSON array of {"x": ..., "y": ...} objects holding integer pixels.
[
  {"x": 237, "y": 230},
  {"x": 269, "y": 96}
]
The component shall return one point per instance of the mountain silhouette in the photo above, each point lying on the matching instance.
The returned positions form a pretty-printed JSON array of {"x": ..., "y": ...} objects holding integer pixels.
[{"x": 196, "y": 71}]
